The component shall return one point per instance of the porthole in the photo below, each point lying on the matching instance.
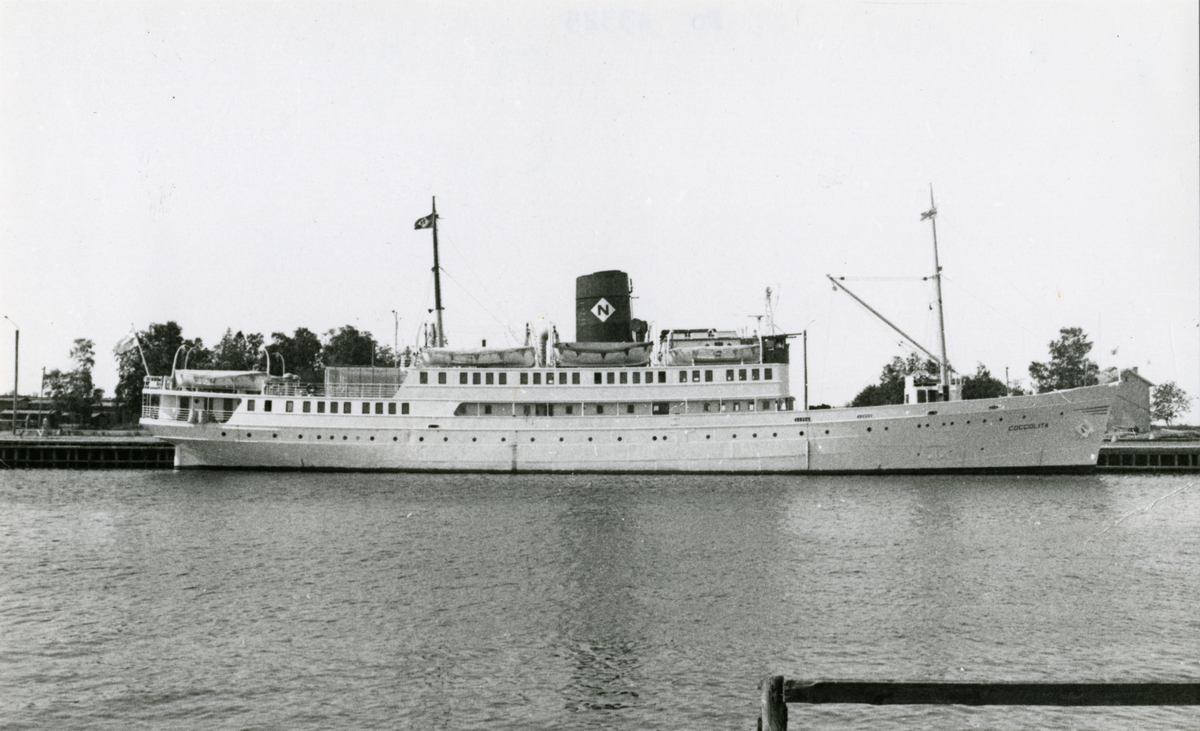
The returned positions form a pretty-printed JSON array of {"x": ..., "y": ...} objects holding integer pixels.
[
  {"x": 801, "y": 433},
  {"x": 868, "y": 428},
  {"x": 504, "y": 439},
  {"x": 299, "y": 436},
  {"x": 395, "y": 439},
  {"x": 775, "y": 434},
  {"x": 420, "y": 439},
  {"x": 473, "y": 439},
  {"x": 709, "y": 436},
  {"x": 826, "y": 431},
  {"x": 248, "y": 435},
  {"x": 222, "y": 433},
  {"x": 735, "y": 436},
  {"x": 664, "y": 439},
  {"x": 654, "y": 439},
  {"x": 754, "y": 435},
  {"x": 1001, "y": 418},
  {"x": 532, "y": 439},
  {"x": 274, "y": 436},
  {"x": 372, "y": 439},
  {"x": 560, "y": 439},
  {"x": 445, "y": 439},
  {"x": 589, "y": 439},
  {"x": 318, "y": 436},
  {"x": 618, "y": 439},
  {"x": 344, "y": 437},
  {"x": 918, "y": 426}
]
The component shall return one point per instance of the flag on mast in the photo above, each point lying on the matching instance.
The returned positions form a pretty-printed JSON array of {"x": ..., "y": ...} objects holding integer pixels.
[
  {"x": 126, "y": 344},
  {"x": 426, "y": 222},
  {"x": 929, "y": 214}
]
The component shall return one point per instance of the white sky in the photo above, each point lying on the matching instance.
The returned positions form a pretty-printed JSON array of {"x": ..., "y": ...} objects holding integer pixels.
[{"x": 260, "y": 165}]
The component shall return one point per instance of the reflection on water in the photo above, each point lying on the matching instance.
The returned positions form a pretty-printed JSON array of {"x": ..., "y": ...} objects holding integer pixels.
[{"x": 314, "y": 601}]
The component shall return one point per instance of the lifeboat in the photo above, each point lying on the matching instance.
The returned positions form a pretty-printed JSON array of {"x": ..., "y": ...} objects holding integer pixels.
[
  {"x": 521, "y": 357},
  {"x": 576, "y": 355},
  {"x": 701, "y": 354}
]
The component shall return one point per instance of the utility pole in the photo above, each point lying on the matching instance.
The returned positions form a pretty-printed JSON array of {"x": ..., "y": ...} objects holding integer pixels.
[{"x": 16, "y": 363}]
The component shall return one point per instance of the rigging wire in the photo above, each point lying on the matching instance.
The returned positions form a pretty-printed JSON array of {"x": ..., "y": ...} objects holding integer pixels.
[
  {"x": 993, "y": 309},
  {"x": 484, "y": 307},
  {"x": 466, "y": 262}
]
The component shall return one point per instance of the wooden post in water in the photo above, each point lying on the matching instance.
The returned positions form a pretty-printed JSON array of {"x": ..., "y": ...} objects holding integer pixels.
[{"x": 773, "y": 716}]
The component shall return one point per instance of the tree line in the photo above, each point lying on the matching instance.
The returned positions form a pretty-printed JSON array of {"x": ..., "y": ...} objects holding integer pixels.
[
  {"x": 302, "y": 353},
  {"x": 1068, "y": 367}
]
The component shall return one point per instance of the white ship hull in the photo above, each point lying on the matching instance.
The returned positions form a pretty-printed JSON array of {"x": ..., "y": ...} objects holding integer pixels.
[{"x": 1060, "y": 431}]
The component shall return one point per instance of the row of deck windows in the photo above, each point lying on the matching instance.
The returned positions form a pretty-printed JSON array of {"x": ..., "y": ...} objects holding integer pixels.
[
  {"x": 346, "y": 407},
  {"x": 657, "y": 408},
  {"x": 489, "y": 378}
]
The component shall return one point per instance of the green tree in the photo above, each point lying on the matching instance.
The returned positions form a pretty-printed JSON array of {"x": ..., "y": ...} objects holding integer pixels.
[
  {"x": 1168, "y": 401},
  {"x": 1069, "y": 366},
  {"x": 301, "y": 354},
  {"x": 982, "y": 385},
  {"x": 159, "y": 343},
  {"x": 238, "y": 352},
  {"x": 890, "y": 389},
  {"x": 72, "y": 392},
  {"x": 347, "y": 346}
]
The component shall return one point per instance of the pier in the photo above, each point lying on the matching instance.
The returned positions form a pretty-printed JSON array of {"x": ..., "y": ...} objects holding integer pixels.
[{"x": 91, "y": 452}]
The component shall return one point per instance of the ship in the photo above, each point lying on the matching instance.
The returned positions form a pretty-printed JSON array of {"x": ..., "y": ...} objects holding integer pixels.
[{"x": 614, "y": 400}]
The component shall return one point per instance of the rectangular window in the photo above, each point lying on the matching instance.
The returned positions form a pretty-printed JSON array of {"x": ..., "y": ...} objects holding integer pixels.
[
  {"x": 767, "y": 374},
  {"x": 729, "y": 375},
  {"x": 345, "y": 407},
  {"x": 707, "y": 406},
  {"x": 750, "y": 406},
  {"x": 392, "y": 408},
  {"x": 570, "y": 409},
  {"x": 477, "y": 378},
  {"x": 662, "y": 376},
  {"x": 503, "y": 379},
  {"x": 250, "y": 405},
  {"x": 320, "y": 407},
  {"x": 524, "y": 379},
  {"x": 708, "y": 376},
  {"x": 575, "y": 378},
  {"x": 307, "y": 407},
  {"x": 287, "y": 406},
  {"x": 539, "y": 409},
  {"x": 491, "y": 378},
  {"x": 661, "y": 408},
  {"x": 629, "y": 408},
  {"x": 599, "y": 378},
  {"x": 487, "y": 409},
  {"x": 741, "y": 374},
  {"x": 599, "y": 408},
  {"x": 753, "y": 374},
  {"x": 610, "y": 377},
  {"x": 366, "y": 407},
  {"x": 527, "y": 409},
  {"x": 637, "y": 377},
  {"x": 333, "y": 407},
  {"x": 624, "y": 377},
  {"x": 683, "y": 376},
  {"x": 379, "y": 408},
  {"x": 442, "y": 377},
  {"x": 695, "y": 376},
  {"x": 462, "y": 379},
  {"x": 267, "y": 405},
  {"x": 562, "y": 378},
  {"x": 649, "y": 376},
  {"x": 424, "y": 377},
  {"x": 403, "y": 408},
  {"x": 537, "y": 379}
]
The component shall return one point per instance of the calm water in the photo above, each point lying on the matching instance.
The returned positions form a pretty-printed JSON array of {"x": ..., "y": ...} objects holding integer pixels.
[{"x": 254, "y": 600}]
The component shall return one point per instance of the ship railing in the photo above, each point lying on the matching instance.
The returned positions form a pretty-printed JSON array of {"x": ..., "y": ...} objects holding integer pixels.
[
  {"x": 339, "y": 390},
  {"x": 186, "y": 414},
  {"x": 776, "y": 693}
]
